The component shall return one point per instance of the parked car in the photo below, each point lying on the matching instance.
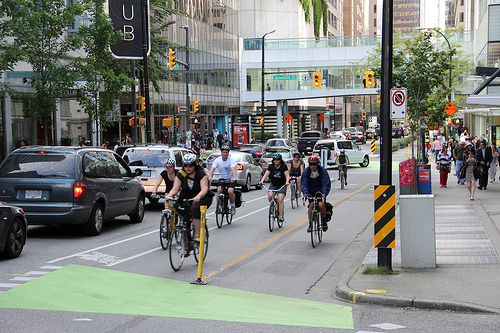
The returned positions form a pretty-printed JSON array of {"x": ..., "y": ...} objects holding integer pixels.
[
  {"x": 357, "y": 137},
  {"x": 267, "y": 157},
  {"x": 397, "y": 132},
  {"x": 278, "y": 142},
  {"x": 150, "y": 160},
  {"x": 71, "y": 185},
  {"x": 307, "y": 140},
  {"x": 255, "y": 149},
  {"x": 354, "y": 153},
  {"x": 248, "y": 170},
  {"x": 13, "y": 230}
]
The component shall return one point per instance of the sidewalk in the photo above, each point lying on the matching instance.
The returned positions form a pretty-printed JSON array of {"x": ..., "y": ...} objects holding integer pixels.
[{"x": 467, "y": 277}]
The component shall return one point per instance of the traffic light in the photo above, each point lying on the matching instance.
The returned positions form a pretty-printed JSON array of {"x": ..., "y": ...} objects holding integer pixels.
[
  {"x": 262, "y": 120},
  {"x": 378, "y": 99},
  {"x": 363, "y": 115},
  {"x": 171, "y": 59},
  {"x": 316, "y": 80},
  {"x": 196, "y": 106},
  {"x": 141, "y": 104},
  {"x": 369, "y": 79}
]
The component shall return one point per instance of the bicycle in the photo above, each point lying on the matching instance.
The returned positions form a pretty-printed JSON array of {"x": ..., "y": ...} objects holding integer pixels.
[
  {"x": 294, "y": 196},
  {"x": 317, "y": 228},
  {"x": 274, "y": 211},
  {"x": 168, "y": 221},
  {"x": 181, "y": 239},
  {"x": 342, "y": 179},
  {"x": 223, "y": 208}
]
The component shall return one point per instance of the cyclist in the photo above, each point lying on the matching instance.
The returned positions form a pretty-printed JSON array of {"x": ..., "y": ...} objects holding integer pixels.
[
  {"x": 315, "y": 178},
  {"x": 167, "y": 175},
  {"x": 279, "y": 175},
  {"x": 192, "y": 182},
  {"x": 296, "y": 168},
  {"x": 343, "y": 159},
  {"x": 227, "y": 170}
]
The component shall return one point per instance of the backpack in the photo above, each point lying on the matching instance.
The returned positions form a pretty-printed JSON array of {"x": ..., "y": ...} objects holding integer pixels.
[
  {"x": 237, "y": 198},
  {"x": 329, "y": 211}
]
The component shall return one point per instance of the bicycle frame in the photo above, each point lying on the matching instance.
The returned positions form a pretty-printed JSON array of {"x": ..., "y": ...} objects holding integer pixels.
[
  {"x": 274, "y": 212},
  {"x": 317, "y": 230}
]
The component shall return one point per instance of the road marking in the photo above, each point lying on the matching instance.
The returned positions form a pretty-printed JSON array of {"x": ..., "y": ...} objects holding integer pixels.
[{"x": 9, "y": 285}]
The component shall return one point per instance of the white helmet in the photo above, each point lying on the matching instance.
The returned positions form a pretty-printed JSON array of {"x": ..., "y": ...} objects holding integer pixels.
[
  {"x": 189, "y": 158},
  {"x": 169, "y": 162}
]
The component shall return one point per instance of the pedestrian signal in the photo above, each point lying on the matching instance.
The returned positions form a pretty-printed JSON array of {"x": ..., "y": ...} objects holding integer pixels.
[{"x": 141, "y": 104}]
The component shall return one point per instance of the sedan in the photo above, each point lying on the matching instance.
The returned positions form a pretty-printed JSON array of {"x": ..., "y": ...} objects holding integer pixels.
[
  {"x": 255, "y": 149},
  {"x": 397, "y": 132},
  {"x": 357, "y": 137},
  {"x": 248, "y": 170},
  {"x": 267, "y": 157},
  {"x": 13, "y": 230}
]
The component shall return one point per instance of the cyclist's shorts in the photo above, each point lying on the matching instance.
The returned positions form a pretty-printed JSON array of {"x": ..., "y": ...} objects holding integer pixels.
[
  {"x": 220, "y": 182},
  {"x": 298, "y": 175},
  {"x": 283, "y": 190}
]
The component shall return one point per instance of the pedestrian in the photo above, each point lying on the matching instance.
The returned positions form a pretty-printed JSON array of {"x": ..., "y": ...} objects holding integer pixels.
[
  {"x": 494, "y": 163},
  {"x": 471, "y": 171},
  {"x": 105, "y": 145},
  {"x": 459, "y": 153},
  {"x": 436, "y": 148},
  {"x": 220, "y": 139},
  {"x": 24, "y": 143},
  {"x": 444, "y": 162},
  {"x": 483, "y": 156}
]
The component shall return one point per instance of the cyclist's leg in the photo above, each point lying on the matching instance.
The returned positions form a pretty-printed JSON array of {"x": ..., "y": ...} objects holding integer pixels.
[
  {"x": 345, "y": 173},
  {"x": 309, "y": 215},
  {"x": 230, "y": 191},
  {"x": 196, "y": 214},
  {"x": 281, "y": 203},
  {"x": 298, "y": 186}
]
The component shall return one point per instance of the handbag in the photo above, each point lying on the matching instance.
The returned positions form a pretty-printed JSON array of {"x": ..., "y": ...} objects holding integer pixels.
[{"x": 462, "y": 171}]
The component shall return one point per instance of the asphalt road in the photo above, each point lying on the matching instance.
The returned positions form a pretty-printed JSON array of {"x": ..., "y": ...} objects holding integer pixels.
[{"x": 256, "y": 280}]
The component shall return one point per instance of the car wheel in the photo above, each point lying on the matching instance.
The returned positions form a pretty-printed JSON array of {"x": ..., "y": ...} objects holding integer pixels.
[
  {"x": 246, "y": 187},
  {"x": 16, "y": 238},
  {"x": 94, "y": 225},
  {"x": 138, "y": 214},
  {"x": 366, "y": 161}
]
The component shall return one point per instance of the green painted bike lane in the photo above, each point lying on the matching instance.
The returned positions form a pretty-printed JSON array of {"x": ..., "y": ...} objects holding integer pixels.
[{"x": 76, "y": 288}]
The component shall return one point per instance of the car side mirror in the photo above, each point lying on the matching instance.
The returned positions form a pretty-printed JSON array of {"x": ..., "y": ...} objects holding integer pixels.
[{"x": 137, "y": 172}]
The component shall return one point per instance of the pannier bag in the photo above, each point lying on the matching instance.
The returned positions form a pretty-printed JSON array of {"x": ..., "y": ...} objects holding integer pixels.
[
  {"x": 329, "y": 211},
  {"x": 237, "y": 198}
]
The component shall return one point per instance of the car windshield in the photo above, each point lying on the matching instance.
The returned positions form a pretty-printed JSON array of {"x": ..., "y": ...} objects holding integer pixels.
[
  {"x": 39, "y": 165},
  {"x": 285, "y": 153},
  {"x": 276, "y": 143},
  {"x": 321, "y": 145},
  {"x": 151, "y": 158}
]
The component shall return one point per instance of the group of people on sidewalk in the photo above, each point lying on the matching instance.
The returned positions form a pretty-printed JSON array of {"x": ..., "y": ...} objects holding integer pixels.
[{"x": 473, "y": 163}]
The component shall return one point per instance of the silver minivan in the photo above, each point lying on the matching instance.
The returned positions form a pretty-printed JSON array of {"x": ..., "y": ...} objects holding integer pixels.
[{"x": 355, "y": 154}]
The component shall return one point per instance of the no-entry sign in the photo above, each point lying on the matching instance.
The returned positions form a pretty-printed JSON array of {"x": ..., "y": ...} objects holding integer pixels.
[{"x": 399, "y": 102}]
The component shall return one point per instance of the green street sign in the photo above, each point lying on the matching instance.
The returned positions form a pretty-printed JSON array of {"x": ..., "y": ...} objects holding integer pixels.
[{"x": 284, "y": 77}]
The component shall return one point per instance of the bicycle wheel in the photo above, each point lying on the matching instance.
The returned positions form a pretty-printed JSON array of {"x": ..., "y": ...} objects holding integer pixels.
[
  {"x": 177, "y": 248},
  {"x": 165, "y": 232},
  {"x": 196, "y": 249},
  {"x": 320, "y": 228},
  {"x": 293, "y": 194},
  {"x": 219, "y": 211},
  {"x": 297, "y": 196},
  {"x": 314, "y": 234},
  {"x": 280, "y": 224},
  {"x": 342, "y": 180},
  {"x": 229, "y": 215},
  {"x": 272, "y": 215}
]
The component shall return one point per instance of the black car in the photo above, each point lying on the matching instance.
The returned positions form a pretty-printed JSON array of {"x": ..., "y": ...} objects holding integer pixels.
[
  {"x": 255, "y": 149},
  {"x": 397, "y": 132},
  {"x": 13, "y": 229},
  {"x": 71, "y": 185}
]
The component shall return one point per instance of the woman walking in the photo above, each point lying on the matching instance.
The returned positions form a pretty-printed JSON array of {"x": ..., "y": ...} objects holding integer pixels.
[
  {"x": 471, "y": 172},
  {"x": 444, "y": 161}
]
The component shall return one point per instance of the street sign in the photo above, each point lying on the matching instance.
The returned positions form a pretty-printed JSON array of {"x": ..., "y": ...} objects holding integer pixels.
[
  {"x": 399, "y": 102},
  {"x": 288, "y": 118},
  {"x": 322, "y": 117},
  {"x": 450, "y": 109},
  {"x": 285, "y": 77}
]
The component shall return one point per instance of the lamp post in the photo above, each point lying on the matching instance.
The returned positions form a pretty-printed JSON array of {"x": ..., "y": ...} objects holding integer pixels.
[
  {"x": 262, "y": 91},
  {"x": 188, "y": 97}
]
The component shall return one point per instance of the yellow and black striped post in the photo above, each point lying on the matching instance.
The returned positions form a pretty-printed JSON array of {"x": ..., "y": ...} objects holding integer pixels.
[
  {"x": 385, "y": 217},
  {"x": 373, "y": 146}
]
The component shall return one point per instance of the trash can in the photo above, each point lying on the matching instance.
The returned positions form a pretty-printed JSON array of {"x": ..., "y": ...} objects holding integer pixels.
[
  {"x": 424, "y": 179},
  {"x": 406, "y": 176}
]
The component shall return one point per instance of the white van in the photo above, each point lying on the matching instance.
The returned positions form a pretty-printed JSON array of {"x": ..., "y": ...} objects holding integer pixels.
[{"x": 354, "y": 153}]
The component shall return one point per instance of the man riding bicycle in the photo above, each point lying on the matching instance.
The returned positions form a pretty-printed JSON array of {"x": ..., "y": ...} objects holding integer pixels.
[
  {"x": 315, "y": 178},
  {"x": 296, "y": 168},
  {"x": 342, "y": 161},
  {"x": 227, "y": 170},
  {"x": 279, "y": 175}
]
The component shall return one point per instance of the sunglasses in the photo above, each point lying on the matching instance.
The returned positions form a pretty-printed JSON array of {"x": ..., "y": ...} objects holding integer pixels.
[
  {"x": 276, "y": 159},
  {"x": 311, "y": 164},
  {"x": 188, "y": 165}
]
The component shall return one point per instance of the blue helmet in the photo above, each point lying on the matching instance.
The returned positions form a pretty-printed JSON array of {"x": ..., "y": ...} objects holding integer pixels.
[
  {"x": 277, "y": 156},
  {"x": 342, "y": 150}
]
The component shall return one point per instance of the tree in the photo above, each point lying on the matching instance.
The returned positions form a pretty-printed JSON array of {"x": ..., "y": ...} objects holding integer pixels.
[{"x": 31, "y": 32}]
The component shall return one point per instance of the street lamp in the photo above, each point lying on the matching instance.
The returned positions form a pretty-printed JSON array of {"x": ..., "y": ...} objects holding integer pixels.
[
  {"x": 188, "y": 97},
  {"x": 262, "y": 91}
]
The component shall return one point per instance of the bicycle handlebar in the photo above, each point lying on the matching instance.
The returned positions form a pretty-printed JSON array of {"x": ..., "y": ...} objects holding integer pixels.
[{"x": 268, "y": 190}]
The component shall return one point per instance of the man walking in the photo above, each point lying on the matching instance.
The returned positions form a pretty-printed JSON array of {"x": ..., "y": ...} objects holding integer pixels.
[{"x": 484, "y": 158}]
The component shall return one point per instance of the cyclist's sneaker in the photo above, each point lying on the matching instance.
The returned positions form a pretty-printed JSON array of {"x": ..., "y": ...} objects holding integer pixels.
[
  {"x": 233, "y": 209},
  {"x": 346, "y": 182},
  {"x": 281, "y": 219},
  {"x": 325, "y": 226},
  {"x": 309, "y": 228}
]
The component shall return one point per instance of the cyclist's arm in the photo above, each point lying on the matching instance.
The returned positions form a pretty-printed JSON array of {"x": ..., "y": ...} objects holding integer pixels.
[
  {"x": 204, "y": 189},
  {"x": 233, "y": 172},
  {"x": 302, "y": 168},
  {"x": 326, "y": 183},
  {"x": 266, "y": 174},
  {"x": 304, "y": 183},
  {"x": 157, "y": 184},
  {"x": 287, "y": 177},
  {"x": 175, "y": 189},
  {"x": 211, "y": 172}
]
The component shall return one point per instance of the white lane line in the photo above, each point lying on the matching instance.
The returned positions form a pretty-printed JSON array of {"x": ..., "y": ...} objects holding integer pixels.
[
  {"x": 37, "y": 273},
  {"x": 9, "y": 285},
  {"x": 22, "y": 278},
  {"x": 51, "y": 267}
]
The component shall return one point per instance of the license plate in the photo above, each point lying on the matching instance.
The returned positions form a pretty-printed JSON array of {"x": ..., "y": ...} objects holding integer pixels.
[
  {"x": 33, "y": 194},
  {"x": 146, "y": 173}
]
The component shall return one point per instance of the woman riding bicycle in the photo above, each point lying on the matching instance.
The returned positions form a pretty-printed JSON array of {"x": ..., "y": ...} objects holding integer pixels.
[
  {"x": 296, "y": 168},
  {"x": 316, "y": 179},
  {"x": 167, "y": 175},
  {"x": 279, "y": 175},
  {"x": 342, "y": 161},
  {"x": 192, "y": 182}
]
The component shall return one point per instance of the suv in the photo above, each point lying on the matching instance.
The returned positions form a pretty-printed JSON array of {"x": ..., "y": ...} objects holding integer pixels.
[
  {"x": 71, "y": 185},
  {"x": 150, "y": 160},
  {"x": 353, "y": 152}
]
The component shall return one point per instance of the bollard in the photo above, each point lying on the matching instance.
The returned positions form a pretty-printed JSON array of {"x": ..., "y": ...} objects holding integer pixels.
[{"x": 203, "y": 210}]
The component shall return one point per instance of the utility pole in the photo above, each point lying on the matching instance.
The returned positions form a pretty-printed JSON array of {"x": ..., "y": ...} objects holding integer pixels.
[
  {"x": 263, "y": 88},
  {"x": 186, "y": 65},
  {"x": 145, "y": 44}
]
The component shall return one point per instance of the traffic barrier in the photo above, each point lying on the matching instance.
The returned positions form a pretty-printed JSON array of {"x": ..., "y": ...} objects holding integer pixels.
[
  {"x": 385, "y": 217},
  {"x": 203, "y": 210}
]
